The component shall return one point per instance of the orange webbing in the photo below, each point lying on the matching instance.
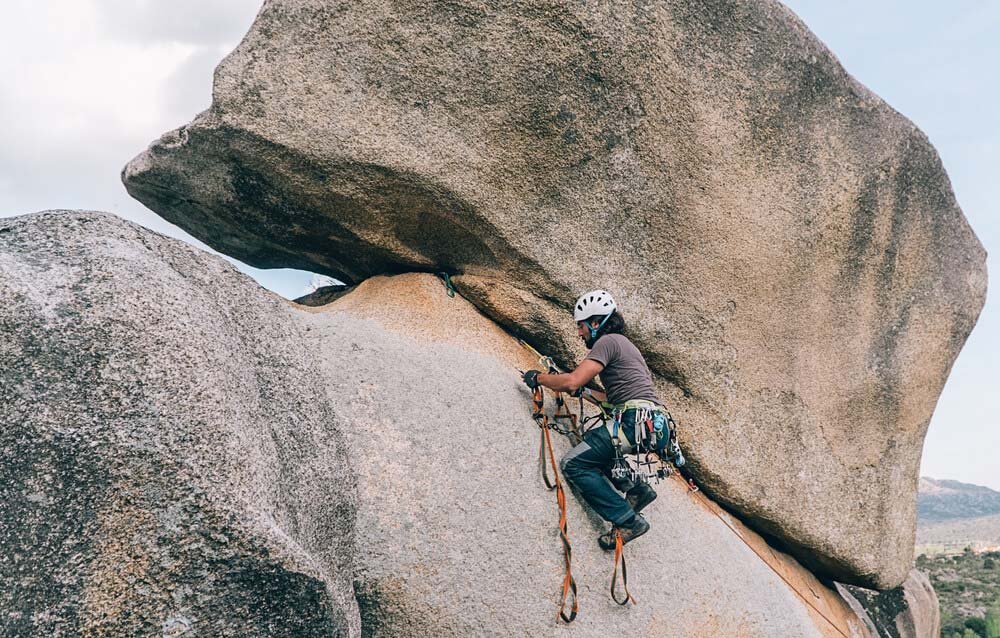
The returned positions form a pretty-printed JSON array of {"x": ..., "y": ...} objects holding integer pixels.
[
  {"x": 562, "y": 412},
  {"x": 569, "y": 584},
  {"x": 543, "y": 432},
  {"x": 538, "y": 398},
  {"x": 620, "y": 556}
]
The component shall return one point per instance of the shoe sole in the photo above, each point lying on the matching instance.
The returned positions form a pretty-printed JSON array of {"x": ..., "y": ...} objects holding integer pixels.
[
  {"x": 610, "y": 543},
  {"x": 635, "y": 536}
]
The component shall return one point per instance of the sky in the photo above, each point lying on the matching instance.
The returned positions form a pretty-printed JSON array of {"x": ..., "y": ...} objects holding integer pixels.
[{"x": 85, "y": 85}]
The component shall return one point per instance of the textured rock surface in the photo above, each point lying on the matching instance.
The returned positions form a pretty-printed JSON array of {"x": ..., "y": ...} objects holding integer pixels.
[
  {"x": 923, "y": 613},
  {"x": 168, "y": 461},
  {"x": 460, "y": 532},
  {"x": 173, "y": 464},
  {"x": 908, "y": 611},
  {"x": 786, "y": 246}
]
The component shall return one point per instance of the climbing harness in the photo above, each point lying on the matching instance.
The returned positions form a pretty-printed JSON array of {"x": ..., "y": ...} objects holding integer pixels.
[{"x": 655, "y": 446}]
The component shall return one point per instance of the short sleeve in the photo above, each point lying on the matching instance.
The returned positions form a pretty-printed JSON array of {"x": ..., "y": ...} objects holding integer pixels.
[{"x": 604, "y": 351}]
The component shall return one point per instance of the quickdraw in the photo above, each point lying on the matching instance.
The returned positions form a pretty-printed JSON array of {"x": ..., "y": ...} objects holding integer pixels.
[
  {"x": 448, "y": 286},
  {"x": 646, "y": 463}
]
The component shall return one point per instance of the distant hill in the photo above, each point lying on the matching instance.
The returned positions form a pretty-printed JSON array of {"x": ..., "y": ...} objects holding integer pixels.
[
  {"x": 951, "y": 536},
  {"x": 939, "y": 501},
  {"x": 952, "y": 516}
]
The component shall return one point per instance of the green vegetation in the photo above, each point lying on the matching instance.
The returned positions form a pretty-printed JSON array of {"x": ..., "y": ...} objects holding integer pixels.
[
  {"x": 988, "y": 627},
  {"x": 968, "y": 588},
  {"x": 993, "y": 622}
]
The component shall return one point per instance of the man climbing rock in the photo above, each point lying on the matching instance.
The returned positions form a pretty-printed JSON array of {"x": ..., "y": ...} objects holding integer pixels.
[{"x": 629, "y": 389}]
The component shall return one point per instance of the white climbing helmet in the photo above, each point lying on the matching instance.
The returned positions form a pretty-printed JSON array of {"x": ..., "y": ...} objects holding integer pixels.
[{"x": 592, "y": 304}]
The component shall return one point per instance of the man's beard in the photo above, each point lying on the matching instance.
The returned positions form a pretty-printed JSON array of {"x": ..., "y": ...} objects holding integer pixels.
[{"x": 589, "y": 341}]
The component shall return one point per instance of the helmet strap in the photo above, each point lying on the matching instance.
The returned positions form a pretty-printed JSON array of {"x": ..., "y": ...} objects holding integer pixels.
[{"x": 594, "y": 331}]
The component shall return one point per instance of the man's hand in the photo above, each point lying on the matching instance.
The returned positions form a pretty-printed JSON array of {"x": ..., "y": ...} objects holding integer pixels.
[{"x": 530, "y": 378}]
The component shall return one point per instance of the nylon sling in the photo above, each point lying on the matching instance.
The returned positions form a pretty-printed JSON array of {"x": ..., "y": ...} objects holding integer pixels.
[{"x": 546, "y": 449}]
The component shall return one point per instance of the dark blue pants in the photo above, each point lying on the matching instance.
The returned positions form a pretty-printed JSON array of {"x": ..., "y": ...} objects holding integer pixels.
[{"x": 588, "y": 468}]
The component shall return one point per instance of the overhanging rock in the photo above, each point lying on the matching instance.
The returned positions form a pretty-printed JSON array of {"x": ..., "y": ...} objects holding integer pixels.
[{"x": 785, "y": 246}]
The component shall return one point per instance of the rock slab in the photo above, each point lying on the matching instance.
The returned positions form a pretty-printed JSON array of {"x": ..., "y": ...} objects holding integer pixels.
[
  {"x": 169, "y": 464},
  {"x": 183, "y": 453},
  {"x": 908, "y": 611}
]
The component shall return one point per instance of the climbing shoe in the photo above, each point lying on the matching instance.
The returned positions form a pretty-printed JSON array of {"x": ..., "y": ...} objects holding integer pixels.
[
  {"x": 637, "y": 529},
  {"x": 640, "y": 496}
]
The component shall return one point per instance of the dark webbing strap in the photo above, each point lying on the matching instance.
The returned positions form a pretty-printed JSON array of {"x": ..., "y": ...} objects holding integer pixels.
[{"x": 620, "y": 558}]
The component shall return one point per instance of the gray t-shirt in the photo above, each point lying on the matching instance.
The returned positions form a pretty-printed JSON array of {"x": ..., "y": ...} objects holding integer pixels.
[{"x": 625, "y": 375}]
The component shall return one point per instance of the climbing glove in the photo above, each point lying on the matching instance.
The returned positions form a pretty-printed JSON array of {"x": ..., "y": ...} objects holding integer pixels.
[{"x": 530, "y": 378}]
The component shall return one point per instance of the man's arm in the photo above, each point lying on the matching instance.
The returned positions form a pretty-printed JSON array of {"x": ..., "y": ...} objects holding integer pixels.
[{"x": 572, "y": 381}]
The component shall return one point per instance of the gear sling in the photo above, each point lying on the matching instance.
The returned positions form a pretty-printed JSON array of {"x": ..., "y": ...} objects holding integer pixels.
[{"x": 653, "y": 432}]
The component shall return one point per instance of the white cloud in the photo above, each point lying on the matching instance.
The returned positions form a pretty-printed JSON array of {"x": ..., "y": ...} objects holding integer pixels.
[
  {"x": 79, "y": 73},
  {"x": 198, "y": 22},
  {"x": 62, "y": 87},
  {"x": 85, "y": 85},
  {"x": 188, "y": 89},
  {"x": 75, "y": 107},
  {"x": 77, "y": 104}
]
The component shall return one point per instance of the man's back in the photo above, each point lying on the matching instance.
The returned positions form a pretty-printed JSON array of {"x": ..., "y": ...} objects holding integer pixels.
[{"x": 625, "y": 376}]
